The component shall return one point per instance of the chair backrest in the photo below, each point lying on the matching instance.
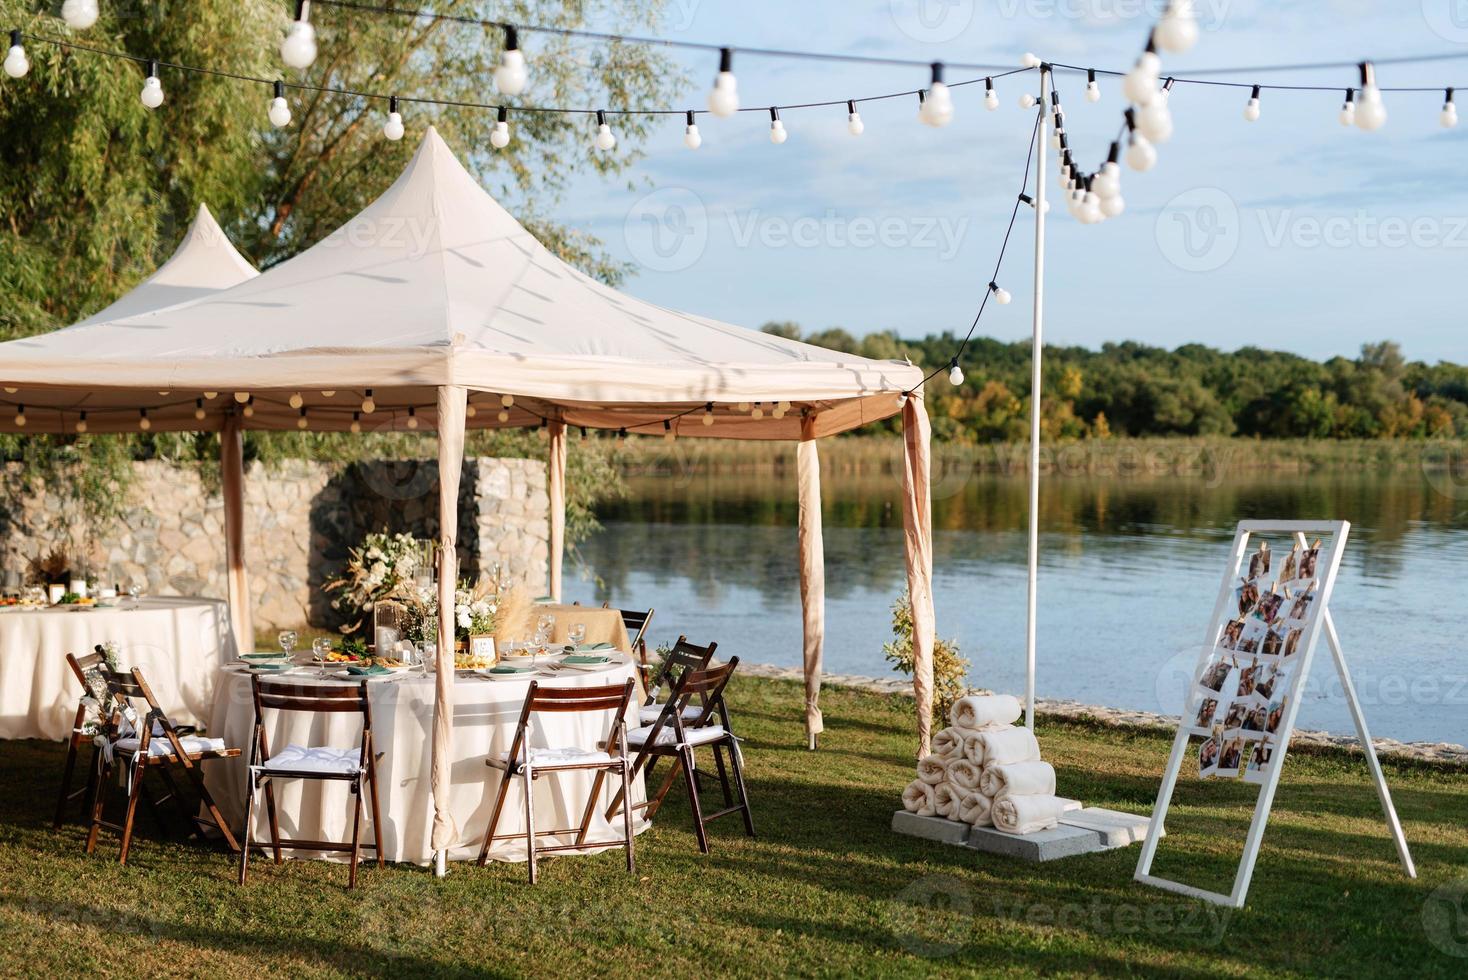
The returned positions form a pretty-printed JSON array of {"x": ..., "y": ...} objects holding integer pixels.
[
  {"x": 607, "y": 697},
  {"x": 680, "y": 660},
  {"x": 124, "y": 686},
  {"x": 635, "y": 623},
  {"x": 311, "y": 699},
  {"x": 86, "y": 663},
  {"x": 707, "y": 684}
]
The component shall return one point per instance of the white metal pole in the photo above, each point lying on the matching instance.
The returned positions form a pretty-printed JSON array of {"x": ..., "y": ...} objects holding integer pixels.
[{"x": 1035, "y": 358}]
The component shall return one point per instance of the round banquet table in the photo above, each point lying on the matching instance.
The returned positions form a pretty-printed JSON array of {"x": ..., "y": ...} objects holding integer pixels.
[
  {"x": 180, "y": 644},
  {"x": 485, "y": 715}
]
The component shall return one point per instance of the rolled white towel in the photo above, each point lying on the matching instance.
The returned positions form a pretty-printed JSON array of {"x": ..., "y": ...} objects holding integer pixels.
[
  {"x": 948, "y": 744},
  {"x": 985, "y": 710},
  {"x": 973, "y": 747},
  {"x": 1027, "y": 814},
  {"x": 918, "y": 798},
  {"x": 1018, "y": 779},
  {"x": 964, "y": 775},
  {"x": 975, "y": 809},
  {"x": 1010, "y": 745},
  {"x": 945, "y": 800},
  {"x": 932, "y": 770}
]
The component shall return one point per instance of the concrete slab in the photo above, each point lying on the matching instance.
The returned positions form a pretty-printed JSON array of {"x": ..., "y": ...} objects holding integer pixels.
[
  {"x": 1115, "y": 828},
  {"x": 1044, "y": 845},
  {"x": 930, "y": 828}
]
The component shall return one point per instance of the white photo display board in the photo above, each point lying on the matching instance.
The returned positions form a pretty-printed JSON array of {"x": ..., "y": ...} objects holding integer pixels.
[{"x": 1272, "y": 608}]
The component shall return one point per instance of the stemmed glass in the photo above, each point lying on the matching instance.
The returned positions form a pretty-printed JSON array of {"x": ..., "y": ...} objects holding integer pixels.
[
  {"x": 320, "y": 648},
  {"x": 288, "y": 640},
  {"x": 135, "y": 591},
  {"x": 576, "y": 635},
  {"x": 544, "y": 627}
]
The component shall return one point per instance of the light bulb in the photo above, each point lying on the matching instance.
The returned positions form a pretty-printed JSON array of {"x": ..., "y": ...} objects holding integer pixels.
[
  {"x": 757, "y": 412},
  {"x": 393, "y": 128},
  {"x": 1348, "y": 109},
  {"x": 783, "y": 405},
  {"x": 777, "y": 128},
  {"x": 412, "y": 417},
  {"x": 210, "y": 395},
  {"x": 368, "y": 404},
  {"x": 470, "y": 411},
  {"x": 16, "y": 62},
  {"x": 329, "y": 393},
  {"x": 508, "y": 401},
  {"x": 144, "y": 422},
  {"x": 199, "y": 409},
  {"x": 1140, "y": 84},
  {"x": 298, "y": 48},
  {"x": 80, "y": 14},
  {"x": 1091, "y": 212},
  {"x": 280, "y": 112},
  {"x": 152, "y": 93},
  {"x": 296, "y": 401},
  {"x": 499, "y": 137},
  {"x": 1155, "y": 121},
  {"x": 503, "y": 415},
  {"x": 509, "y": 76},
  {"x": 955, "y": 374},
  {"x": 1251, "y": 108},
  {"x": 605, "y": 138},
  {"x": 249, "y": 410},
  {"x": 1177, "y": 31},
  {"x": 1449, "y": 116},
  {"x": 742, "y": 406},
  {"x": 708, "y": 416},
  {"x": 854, "y": 125},
  {"x": 778, "y": 412},
  {"x": 81, "y": 423},
  {"x": 20, "y": 419},
  {"x": 242, "y": 397},
  {"x": 1030, "y": 60},
  {"x": 1093, "y": 91},
  {"x": 1113, "y": 205},
  {"x": 356, "y": 422},
  {"x": 937, "y": 110},
  {"x": 724, "y": 96},
  {"x": 991, "y": 97},
  {"x": 1371, "y": 111},
  {"x": 691, "y": 137},
  {"x": 902, "y": 399},
  {"x": 1027, "y": 101},
  {"x": 1107, "y": 182},
  {"x": 1001, "y": 295},
  {"x": 1140, "y": 154},
  {"x": 301, "y": 422}
]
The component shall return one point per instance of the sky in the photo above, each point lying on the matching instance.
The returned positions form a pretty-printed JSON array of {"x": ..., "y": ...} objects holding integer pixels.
[{"x": 1291, "y": 233}]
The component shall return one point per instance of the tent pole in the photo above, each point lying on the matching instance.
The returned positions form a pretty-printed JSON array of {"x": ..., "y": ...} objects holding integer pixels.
[
  {"x": 555, "y": 479},
  {"x": 812, "y": 574},
  {"x": 452, "y": 408},
  {"x": 236, "y": 576},
  {"x": 1036, "y": 353}
]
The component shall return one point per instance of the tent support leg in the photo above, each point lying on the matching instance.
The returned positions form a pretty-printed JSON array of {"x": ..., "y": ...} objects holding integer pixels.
[{"x": 1036, "y": 354}]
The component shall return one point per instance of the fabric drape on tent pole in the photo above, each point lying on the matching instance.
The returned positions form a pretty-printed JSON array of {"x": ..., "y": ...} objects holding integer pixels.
[
  {"x": 917, "y": 522},
  {"x": 237, "y": 579},
  {"x": 453, "y": 403},
  {"x": 812, "y": 574},
  {"x": 555, "y": 478}
]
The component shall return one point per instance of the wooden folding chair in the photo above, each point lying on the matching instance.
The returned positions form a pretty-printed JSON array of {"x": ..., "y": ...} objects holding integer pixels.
[
  {"x": 682, "y": 658},
  {"x": 81, "y": 666},
  {"x": 676, "y": 738},
  {"x": 357, "y": 767},
  {"x": 149, "y": 741},
  {"x": 636, "y": 624},
  {"x": 525, "y": 762}
]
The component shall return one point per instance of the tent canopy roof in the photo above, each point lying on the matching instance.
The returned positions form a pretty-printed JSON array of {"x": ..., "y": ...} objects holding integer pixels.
[{"x": 434, "y": 283}]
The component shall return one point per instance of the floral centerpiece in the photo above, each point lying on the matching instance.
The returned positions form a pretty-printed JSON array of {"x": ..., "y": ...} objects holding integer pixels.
[
  {"x": 383, "y": 566},
  {"x": 475, "y": 611}
]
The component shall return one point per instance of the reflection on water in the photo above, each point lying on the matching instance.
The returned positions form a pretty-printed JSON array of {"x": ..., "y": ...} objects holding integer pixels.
[{"x": 1129, "y": 573}]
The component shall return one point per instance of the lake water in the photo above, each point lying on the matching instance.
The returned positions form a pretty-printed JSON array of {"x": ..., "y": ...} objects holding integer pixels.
[{"x": 1129, "y": 572}]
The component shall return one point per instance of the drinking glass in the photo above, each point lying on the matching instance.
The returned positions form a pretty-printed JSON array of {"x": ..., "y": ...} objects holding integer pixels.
[
  {"x": 287, "y": 640},
  {"x": 135, "y": 590},
  {"x": 576, "y": 635},
  {"x": 320, "y": 647}
]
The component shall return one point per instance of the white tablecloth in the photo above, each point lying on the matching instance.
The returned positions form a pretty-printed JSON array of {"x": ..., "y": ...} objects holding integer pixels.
[
  {"x": 180, "y": 643},
  {"x": 485, "y": 714}
]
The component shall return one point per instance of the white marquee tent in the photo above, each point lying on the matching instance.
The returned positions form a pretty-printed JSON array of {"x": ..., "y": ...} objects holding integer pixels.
[{"x": 434, "y": 306}]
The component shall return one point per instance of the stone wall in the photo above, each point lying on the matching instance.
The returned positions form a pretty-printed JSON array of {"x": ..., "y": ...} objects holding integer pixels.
[{"x": 300, "y": 520}]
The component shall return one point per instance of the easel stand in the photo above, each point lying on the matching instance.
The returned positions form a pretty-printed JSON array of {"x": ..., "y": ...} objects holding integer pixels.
[{"x": 1329, "y": 563}]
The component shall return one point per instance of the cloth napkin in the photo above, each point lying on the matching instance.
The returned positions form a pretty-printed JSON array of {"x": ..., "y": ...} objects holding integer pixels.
[
  {"x": 357, "y": 670},
  {"x": 590, "y": 647},
  {"x": 586, "y": 658},
  {"x": 1018, "y": 779},
  {"x": 932, "y": 770},
  {"x": 1006, "y": 746},
  {"x": 1027, "y": 814},
  {"x": 964, "y": 775},
  {"x": 507, "y": 669},
  {"x": 979, "y": 711},
  {"x": 918, "y": 798},
  {"x": 974, "y": 809},
  {"x": 948, "y": 744},
  {"x": 945, "y": 801}
]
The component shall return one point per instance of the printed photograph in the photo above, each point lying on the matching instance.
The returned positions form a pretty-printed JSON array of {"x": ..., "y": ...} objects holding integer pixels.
[{"x": 1215, "y": 675}]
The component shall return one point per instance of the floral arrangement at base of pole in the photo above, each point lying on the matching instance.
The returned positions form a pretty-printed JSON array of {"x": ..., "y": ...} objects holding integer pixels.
[{"x": 381, "y": 567}]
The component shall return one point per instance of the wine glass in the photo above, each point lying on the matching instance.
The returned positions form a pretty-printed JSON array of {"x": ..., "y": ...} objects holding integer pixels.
[
  {"x": 576, "y": 635},
  {"x": 287, "y": 640},
  {"x": 135, "y": 591},
  {"x": 320, "y": 648}
]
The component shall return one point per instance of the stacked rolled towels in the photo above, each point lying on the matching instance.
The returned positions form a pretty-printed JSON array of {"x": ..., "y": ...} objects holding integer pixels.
[{"x": 985, "y": 772}]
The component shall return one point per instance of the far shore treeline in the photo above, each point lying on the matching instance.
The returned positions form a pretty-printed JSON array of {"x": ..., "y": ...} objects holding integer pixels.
[{"x": 1131, "y": 389}]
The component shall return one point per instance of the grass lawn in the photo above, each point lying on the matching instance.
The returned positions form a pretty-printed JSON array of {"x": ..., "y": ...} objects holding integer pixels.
[{"x": 826, "y": 889}]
